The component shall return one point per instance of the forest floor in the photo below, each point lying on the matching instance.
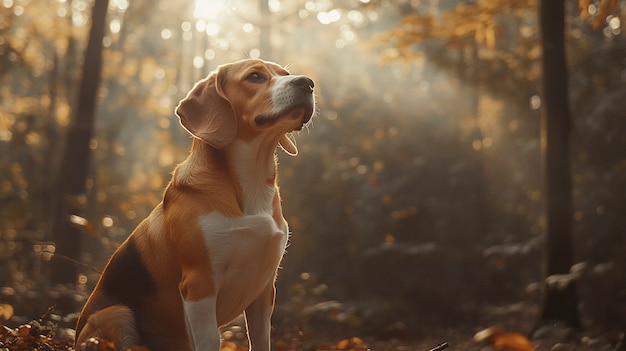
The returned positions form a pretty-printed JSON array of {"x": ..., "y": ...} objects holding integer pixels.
[{"x": 327, "y": 331}]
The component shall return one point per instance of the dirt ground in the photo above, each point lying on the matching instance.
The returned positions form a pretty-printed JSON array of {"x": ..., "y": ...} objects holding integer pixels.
[{"x": 324, "y": 329}]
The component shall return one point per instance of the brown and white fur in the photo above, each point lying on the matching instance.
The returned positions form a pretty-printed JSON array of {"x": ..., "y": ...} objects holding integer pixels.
[{"x": 210, "y": 250}]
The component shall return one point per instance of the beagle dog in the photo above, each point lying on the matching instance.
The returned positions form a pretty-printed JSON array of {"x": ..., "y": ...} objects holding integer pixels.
[{"x": 210, "y": 250}]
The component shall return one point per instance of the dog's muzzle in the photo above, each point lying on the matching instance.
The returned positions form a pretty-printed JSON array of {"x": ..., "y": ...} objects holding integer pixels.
[{"x": 296, "y": 100}]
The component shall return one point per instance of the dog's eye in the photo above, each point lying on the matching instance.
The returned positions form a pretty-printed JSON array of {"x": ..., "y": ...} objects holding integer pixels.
[{"x": 256, "y": 77}]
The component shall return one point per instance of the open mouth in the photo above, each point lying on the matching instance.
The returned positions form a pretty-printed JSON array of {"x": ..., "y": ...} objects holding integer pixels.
[{"x": 302, "y": 112}]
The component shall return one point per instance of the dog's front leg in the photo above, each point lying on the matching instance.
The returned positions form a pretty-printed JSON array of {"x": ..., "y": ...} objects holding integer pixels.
[
  {"x": 202, "y": 325},
  {"x": 258, "y": 318},
  {"x": 200, "y": 313}
]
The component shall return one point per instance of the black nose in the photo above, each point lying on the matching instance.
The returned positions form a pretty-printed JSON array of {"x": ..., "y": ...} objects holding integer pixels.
[{"x": 305, "y": 84}]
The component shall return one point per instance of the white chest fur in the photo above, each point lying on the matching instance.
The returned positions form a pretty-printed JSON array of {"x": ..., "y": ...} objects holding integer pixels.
[{"x": 244, "y": 253}]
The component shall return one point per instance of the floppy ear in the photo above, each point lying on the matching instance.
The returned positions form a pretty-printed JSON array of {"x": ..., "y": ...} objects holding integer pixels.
[
  {"x": 207, "y": 114},
  {"x": 288, "y": 145}
]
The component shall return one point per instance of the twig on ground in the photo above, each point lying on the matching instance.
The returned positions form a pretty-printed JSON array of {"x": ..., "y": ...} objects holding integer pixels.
[
  {"x": 75, "y": 262},
  {"x": 47, "y": 314},
  {"x": 440, "y": 347}
]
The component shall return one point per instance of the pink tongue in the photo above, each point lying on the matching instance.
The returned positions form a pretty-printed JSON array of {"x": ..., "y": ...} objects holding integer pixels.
[{"x": 288, "y": 145}]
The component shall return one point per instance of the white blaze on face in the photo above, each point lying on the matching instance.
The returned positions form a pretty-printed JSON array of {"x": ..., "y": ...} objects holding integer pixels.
[{"x": 283, "y": 94}]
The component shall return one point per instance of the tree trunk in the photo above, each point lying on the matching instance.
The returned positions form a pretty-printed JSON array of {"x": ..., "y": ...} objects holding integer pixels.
[
  {"x": 75, "y": 162},
  {"x": 480, "y": 197},
  {"x": 559, "y": 303}
]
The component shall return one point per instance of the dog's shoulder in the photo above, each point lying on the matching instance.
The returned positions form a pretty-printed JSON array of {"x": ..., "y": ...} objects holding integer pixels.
[{"x": 196, "y": 191}]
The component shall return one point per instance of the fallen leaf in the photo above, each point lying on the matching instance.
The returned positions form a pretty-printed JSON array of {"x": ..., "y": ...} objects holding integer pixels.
[
  {"x": 6, "y": 311},
  {"x": 351, "y": 344},
  {"x": 504, "y": 341},
  {"x": 228, "y": 346},
  {"x": 513, "y": 342}
]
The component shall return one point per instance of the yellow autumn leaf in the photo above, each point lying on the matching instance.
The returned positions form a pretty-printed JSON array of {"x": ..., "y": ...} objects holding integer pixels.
[
  {"x": 513, "y": 342},
  {"x": 6, "y": 311},
  {"x": 228, "y": 346},
  {"x": 504, "y": 341}
]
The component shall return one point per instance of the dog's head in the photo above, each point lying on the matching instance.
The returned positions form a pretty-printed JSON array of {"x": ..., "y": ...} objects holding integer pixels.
[{"x": 245, "y": 99}]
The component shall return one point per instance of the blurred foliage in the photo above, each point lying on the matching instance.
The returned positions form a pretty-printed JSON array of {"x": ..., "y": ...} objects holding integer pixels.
[{"x": 417, "y": 189}]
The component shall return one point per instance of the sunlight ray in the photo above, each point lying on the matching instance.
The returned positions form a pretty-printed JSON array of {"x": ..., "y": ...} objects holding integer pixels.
[{"x": 208, "y": 9}]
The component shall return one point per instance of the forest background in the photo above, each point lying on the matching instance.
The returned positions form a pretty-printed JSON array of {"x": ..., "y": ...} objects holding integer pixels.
[{"x": 417, "y": 200}]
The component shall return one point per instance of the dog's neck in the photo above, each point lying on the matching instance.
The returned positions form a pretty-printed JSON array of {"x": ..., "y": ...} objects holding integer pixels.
[
  {"x": 253, "y": 164},
  {"x": 250, "y": 164}
]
